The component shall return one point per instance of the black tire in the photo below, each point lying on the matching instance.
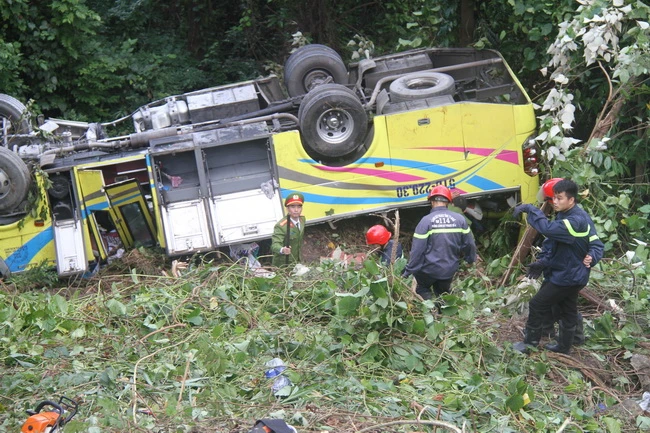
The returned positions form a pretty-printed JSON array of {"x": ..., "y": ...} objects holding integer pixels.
[
  {"x": 304, "y": 50},
  {"x": 14, "y": 110},
  {"x": 332, "y": 120},
  {"x": 60, "y": 186},
  {"x": 419, "y": 85},
  {"x": 15, "y": 180},
  {"x": 310, "y": 66}
]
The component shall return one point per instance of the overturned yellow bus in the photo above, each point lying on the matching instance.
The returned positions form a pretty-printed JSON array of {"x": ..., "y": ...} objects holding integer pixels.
[{"x": 210, "y": 168}]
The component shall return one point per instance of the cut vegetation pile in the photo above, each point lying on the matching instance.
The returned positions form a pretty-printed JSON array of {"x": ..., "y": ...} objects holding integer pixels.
[{"x": 186, "y": 352}]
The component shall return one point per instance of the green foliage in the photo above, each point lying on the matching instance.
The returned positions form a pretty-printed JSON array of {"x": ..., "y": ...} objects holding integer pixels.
[
  {"x": 191, "y": 351},
  {"x": 521, "y": 30},
  {"x": 618, "y": 210}
]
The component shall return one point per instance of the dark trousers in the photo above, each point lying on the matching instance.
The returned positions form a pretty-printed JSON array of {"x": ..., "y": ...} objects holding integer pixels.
[
  {"x": 562, "y": 299},
  {"x": 428, "y": 286}
]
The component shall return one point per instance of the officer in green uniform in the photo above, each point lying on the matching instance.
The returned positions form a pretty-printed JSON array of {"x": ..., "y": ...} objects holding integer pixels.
[{"x": 288, "y": 233}]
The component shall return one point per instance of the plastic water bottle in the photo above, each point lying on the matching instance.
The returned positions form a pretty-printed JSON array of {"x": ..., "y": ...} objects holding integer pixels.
[{"x": 276, "y": 367}]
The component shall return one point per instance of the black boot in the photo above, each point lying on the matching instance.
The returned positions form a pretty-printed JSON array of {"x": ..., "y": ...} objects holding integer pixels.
[
  {"x": 548, "y": 330},
  {"x": 579, "y": 337},
  {"x": 564, "y": 340},
  {"x": 531, "y": 340}
]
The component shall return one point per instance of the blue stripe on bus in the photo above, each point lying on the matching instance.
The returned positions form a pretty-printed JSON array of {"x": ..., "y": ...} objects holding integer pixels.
[
  {"x": 19, "y": 259},
  {"x": 479, "y": 182}
]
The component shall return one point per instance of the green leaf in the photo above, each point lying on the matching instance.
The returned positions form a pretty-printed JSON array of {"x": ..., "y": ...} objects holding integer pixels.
[
  {"x": 515, "y": 402},
  {"x": 382, "y": 302},
  {"x": 613, "y": 425},
  {"x": 116, "y": 307},
  {"x": 195, "y": 317},
  {"x": 230, "y": 310},
  {"x": 371, "y": 267},
  {"x": 401, "y": 351},
  {"x": 624, "y": 201},
  {"x": 217, "y": 331},
  {"x": 59, "y": 304},
  {"x": 643, "y": 422},
  {"x": 413, "y": 363},
  {"x": 541, "y": 368},
  {"x": 435, "y": 330},
  {"x": 379, "y": 288},
  {"x": 134, "y": 276},
  {"x": 347, "y": 305}
]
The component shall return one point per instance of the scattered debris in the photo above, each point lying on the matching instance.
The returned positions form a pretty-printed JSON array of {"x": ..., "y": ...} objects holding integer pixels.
[{"x": 641, "y": 364}]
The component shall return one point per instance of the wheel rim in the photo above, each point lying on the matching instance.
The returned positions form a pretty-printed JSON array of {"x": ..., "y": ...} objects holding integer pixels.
[
  {"x": 422, "y": 83},
  {"x": 315, "y": 78},
  {"x": 335, "y": 126},
  {"x": 5, "y": 184}
]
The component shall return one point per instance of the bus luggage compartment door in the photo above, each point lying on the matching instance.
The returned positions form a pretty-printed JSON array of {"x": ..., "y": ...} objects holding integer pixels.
[
  {"x": 186, "y": 228},
  {"x": 70, "y": 252},
  {"x": 245, "y": 215}
]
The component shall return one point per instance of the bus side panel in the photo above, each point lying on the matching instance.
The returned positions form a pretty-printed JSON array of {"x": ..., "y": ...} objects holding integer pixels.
[
  {"x": 363, "y": 185},
  {"x": 28, "y": 247},
  {"x": 186, "y": 228},
  {"x": 482, "y": 156},
  {"x": 29, "y": 242},
  {"x": 254, "y": 218},
  {"x": 70, "y": 249}
]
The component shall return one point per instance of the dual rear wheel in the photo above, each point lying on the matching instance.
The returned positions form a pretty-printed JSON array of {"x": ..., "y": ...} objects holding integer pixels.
[
  {"x": 332, "y": 121},
  {"x": 15, "y": 178}
]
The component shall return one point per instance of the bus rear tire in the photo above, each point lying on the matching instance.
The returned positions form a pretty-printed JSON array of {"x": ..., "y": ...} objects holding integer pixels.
[
  {"x": 312, "y": 65},
  {"x": 420, "y": 85},
  {"x": 332, "y": 120},
  {"x": 15, "y": 180}
]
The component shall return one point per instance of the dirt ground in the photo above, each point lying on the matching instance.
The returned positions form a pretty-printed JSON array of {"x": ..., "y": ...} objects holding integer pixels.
[{"x": 349, "y": 234}]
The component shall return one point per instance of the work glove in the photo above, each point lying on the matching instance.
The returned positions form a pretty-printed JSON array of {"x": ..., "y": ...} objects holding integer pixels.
[
  {"x": 519, "y": 210},
  {"x": 534, "y": 270},
  {"x": 460, "y": 202},
  {"x": 405, "y": 274}
]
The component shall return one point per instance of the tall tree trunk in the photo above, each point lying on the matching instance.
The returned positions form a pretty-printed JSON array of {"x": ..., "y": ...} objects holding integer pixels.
[
  {"x": 314, "y": 16},
  {"x": 467, "y": 22}
]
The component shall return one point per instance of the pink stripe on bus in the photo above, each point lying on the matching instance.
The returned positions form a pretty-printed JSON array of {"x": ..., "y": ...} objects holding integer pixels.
[
  {"x": 395, "y": 177},
  {"x": 510, "y": 156}
]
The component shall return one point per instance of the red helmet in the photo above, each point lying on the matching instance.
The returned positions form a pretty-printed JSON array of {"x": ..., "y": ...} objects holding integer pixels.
[
  {"x": 377, "y": 235},
  {"x": 440, "y": 191},
  {"x": 547, "y": 188}
]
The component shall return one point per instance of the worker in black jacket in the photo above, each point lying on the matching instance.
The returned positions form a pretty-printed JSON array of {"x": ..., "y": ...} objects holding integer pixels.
[
  {"x": 441, "y": 240},
  {"x": 568, "y": 253}
]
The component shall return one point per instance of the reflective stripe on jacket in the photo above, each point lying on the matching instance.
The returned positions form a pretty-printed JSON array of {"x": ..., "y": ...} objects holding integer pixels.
[{"x": 441, "y": 240}]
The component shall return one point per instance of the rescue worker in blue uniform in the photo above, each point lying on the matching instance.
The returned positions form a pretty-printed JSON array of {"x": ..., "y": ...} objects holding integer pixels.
[
  {"x": 535, "y": 269},
  {"x": 379, "y": 235},
  {"x": 441, "y": 240},
  {"x": 569, "y": 251}
]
